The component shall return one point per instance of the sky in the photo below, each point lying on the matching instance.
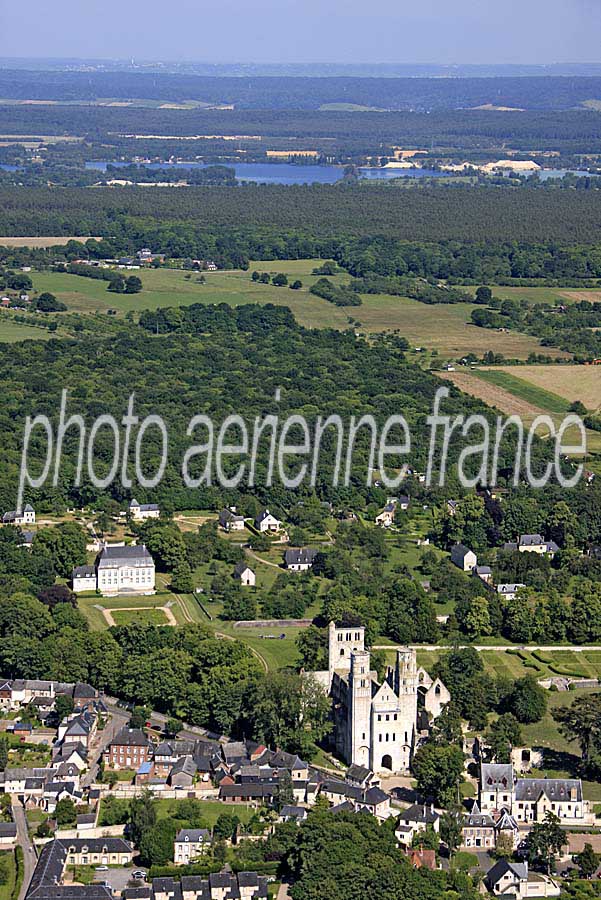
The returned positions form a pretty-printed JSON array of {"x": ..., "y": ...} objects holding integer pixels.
[{"x": 279, "y": 31}]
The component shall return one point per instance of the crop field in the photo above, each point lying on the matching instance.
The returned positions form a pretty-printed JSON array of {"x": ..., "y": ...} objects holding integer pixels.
[
  {"x": 40, "y": 241},
  {"x": 446, "y": 329},
  {"x": 569, "y": 383}
]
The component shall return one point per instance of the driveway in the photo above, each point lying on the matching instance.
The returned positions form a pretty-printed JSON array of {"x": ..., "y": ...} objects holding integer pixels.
[{"x": 29, "y": 855}]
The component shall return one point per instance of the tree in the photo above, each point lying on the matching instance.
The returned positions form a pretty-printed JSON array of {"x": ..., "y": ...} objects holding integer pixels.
[
  {"x": 117, "y": 285},
  {"x": 438, "y": 772},
  {"x": 528, "y": 700},
  {"x": 3, "y": 752},
  {"x": 225, "y": 826},
  {"x": 582, "y": 722},
  {"x": 173, "y": 726},
  {"x": 284, "y": 794},
  {"x": 65, "y": 812},
  {"x": 280, "y": 280},
  {"x": 428, "y": 839},
  {"x": 504, "y": 846},
  {"x": 63, "y": 706},
  {"x": 477, "y": 618},
  {"x": 142, "y": 816},
  {"x": 133, "y": 285},
  {"x": 451, "y": 830},
  {"x": 65, "y": 544},
  {"x": 587, "y": 861},
  {"x": 181, "y": 578},
  {"x": 58, "y": 593},
  {"x": 544, "y": 842},
  {"x": 296, "y": 285},
  {"x": 483, "y": 295},
  {"x": 47, "y": 302},
  {"x": 503, "y": 734},
  {"x": 156, "y": 843}
]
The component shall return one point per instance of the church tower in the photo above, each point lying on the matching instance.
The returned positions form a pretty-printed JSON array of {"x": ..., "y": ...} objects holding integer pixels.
[{"x": 359, "y": 719}]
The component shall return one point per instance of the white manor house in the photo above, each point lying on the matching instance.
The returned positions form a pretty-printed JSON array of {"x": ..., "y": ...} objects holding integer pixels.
[
  {"x": 117, "y": 570},
  {"x": 375, "y": 725}
]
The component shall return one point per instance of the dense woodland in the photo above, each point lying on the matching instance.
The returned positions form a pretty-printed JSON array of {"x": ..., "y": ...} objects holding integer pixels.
[
  {"x": 274, "y": 92},
  {"x": 317, "y": 214}
]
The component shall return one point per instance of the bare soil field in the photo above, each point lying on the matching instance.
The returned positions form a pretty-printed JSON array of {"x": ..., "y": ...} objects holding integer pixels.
[
  {"x": 576, "y": 296},
  {"x": 571, "y": 382}
]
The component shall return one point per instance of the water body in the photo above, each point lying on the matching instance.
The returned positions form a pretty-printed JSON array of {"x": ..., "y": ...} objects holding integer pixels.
[
  {"x": 546, "y": 174},
  {"x": 284, "y": 173}
]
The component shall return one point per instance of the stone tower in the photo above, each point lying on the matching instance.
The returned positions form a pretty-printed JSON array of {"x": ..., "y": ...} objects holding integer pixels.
[
  {"x": 343, "y": 641},
  {"x": 359, "y": 717}
]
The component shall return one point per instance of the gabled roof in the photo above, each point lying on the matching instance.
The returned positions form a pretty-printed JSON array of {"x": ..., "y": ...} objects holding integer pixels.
[
  {"x": 420, "y": 813},
  {"x": 496, "y": 776},
  {"x": 134, "y": 555},
  {"x": 193, "y": 835},
  {"x": 502, "y": 867},
  {"x": 130, "y": 737},
  {"x": 242, "y": 567},
  {"x": 556, "y": 789},
  {"x": 300, "y": 557}
]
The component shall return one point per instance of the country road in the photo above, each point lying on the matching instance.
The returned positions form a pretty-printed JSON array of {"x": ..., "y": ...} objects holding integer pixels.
[
  {"x": 550, "y": 648},
  {"x": 29, "y": 855}
]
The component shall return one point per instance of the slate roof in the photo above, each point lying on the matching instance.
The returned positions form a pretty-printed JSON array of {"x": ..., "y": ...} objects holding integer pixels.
[
  {"x": 193, "y": 835},
  {"x": 300, "y": 557},
  {"x": 496, "y": 777},
  {"x": 420, "y": 813},
  {"x": 84, "y": 572},
  {"x": 137, "y": 555},
  {"x": 130, "y": 737},
  {"x": 518, "y": 870},
  {"x": 556, "y": 789},
  {"x": 509, "y": 588}
]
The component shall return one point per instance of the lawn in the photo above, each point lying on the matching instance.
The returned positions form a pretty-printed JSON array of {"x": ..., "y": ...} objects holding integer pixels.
[
  {"x": 142, "y": 616},
  {"x": 8, "y": 863},
  {"x": 210, "y": 810}
]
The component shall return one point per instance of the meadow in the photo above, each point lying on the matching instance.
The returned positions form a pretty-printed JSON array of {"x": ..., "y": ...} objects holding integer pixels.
[
  {"x": 445, "y": 329},
  {"x": 11, "y": 331}
]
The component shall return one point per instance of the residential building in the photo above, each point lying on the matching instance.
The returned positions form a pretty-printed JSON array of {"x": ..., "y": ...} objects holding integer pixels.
[
  {"x": 142, "y": 511},
  {"x": 533, "y": 543},
  {"x": 529, "y": 799},
  {"x": 189, "y": 844},
  {"x": 128, "y": 749},
  {"x": 413, "y": 820},
  {"x": 484, "y": 573},
  {"x": 513, "y": 879},
  {"x": 464, "y": 558},
  {"x": 478, "y": 830},
  {"x": 26, "y": 516},
  {"x": 509, "y": 590},
  {"x": 118, "y": 570},
  {"x": 244, "y": 574},
  {"x": 230, "y": 520},
  {"x": 265, "y": 521},
  {"x": 300, "y": 560},
  {"x": 386, "y": 517}
]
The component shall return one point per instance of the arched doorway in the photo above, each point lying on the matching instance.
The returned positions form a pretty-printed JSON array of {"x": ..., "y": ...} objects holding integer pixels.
[{"x": 387, "y": 761}]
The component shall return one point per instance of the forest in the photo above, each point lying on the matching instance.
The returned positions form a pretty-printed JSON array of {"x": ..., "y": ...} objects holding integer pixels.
[
  {"x": 274, "y": 92},
  {"x": 315, "y": 216}
]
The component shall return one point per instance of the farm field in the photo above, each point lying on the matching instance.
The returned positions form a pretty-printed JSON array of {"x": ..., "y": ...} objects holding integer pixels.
[
  {"x": 513, "y": 395},
  {"x": 41, "y": 241},
  {"x": 446, "y": 329},
  {"x": 569, "y": 383},
  {"x": 515, "y": 663}
]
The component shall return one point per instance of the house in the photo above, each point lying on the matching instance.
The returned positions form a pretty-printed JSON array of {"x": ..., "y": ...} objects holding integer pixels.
[
  {"x": 27, "y": 541},
  {"x": 463, "y": 558},
  {"x": 230, "y": 520},
  {"x": 512, "y": 879},
  {"x": 533, "y": 543},
  {"x": 452, "y": 506},
  {"x": 496, "y": 786},
  {"x": 299, "y": 560},
  {"x": 386, "y": 518},
  {"x": 189, "y": 844},
  {"x": 529, "y": 799},
  {"x": 484, "y": 573},
  {"x": 296, "y": 814},
  {"x": 509, "y": 590},
  {"x": 245, "y": 574},
  {"x": 8, "y": 834},
  {"x": 17, "y": 517},
  {"x": 403, "y": 502},
  {"x": 373, "y": 800},
  {"x": 118, "y": 570},
  {"x": 420, "y": 858},
  {"x": 128, "y": 749},
  {"x": 478, "y": 830},
  {"x": 266, "y": 522},
  {"x": 183, "y": 773},
  {"x": 139, "y": 512},
  {"x": 414, "y": 819}
]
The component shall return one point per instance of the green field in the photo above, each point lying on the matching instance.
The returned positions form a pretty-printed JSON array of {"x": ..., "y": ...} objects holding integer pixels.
[
  {"x": 139, "y": 617},
  {"x": 445, "y": 328},
  {"x": 525, "y": 390},
  {"x": 7, "y": 889},
  {"x": 11, "y": 331},
  {"x": 210, "y": 811}
]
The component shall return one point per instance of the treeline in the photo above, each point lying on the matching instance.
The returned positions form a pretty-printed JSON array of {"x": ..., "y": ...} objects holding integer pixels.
[
  {"x": 300, "y": 221},
  {"x": 294, "y": 92},
  {"x": 339, "y": 295},
  {"x": 572, "y": 328}
]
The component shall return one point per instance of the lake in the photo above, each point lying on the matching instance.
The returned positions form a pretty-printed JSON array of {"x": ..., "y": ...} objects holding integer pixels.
[{"x": 286, "y": 173}]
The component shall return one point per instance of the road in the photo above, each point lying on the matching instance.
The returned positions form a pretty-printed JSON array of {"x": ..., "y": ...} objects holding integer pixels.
[
  {"x": 29, "y": 855},
  {"x": 550, "y": 648},
  {"x": 119, "y": 718}
]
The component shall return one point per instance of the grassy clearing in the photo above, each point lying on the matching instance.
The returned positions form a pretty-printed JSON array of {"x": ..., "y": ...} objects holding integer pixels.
[
  {"x": 139, "y": 617},
  {"x": 443, "y": 328},
  {"x": 7, "y": 858},
  {"x": 532, "y": 393},
  {"x": 11, "y": 331}
]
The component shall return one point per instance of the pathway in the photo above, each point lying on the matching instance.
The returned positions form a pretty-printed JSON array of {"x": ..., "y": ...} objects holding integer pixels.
[
  {"x": 29, "y": 855},
  {"x": 549, "y": 648}
]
